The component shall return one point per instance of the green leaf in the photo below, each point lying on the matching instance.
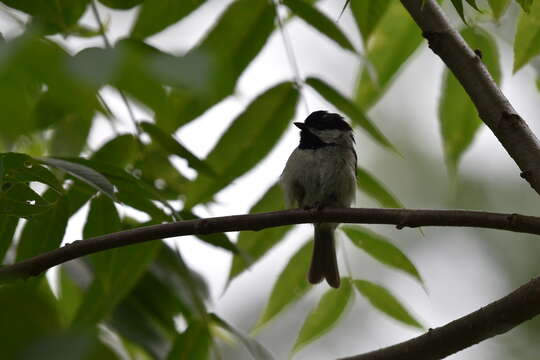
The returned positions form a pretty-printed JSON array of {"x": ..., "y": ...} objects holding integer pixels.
[
  {"x": 84, "y": 173},
  {"x": 155, "y": 16},
  {"x": 70, "y": 135},
  {"x": 350, "y": 109},
  {"x": 374, "y": 189},
  {"x": 169, "y": 289},
  {"x": 44, "y": 232},
  {"x": 325, "y": 315},
  {"x": 257, "y": 351},
  {"x": 527, "y": 40},
  {"x": 382, "y": 299},
  {"x": 21, "y": 201},
  {"x": 290, "y": 286},
  {"x": 367, "y": 14},
  {"x": 158, "y": 171},
  {"x": 8, "y": 224},
  {"x": 311, "y": 15},
  {"x": 121, "y": 4},
  {"x": 247, "y": 141},
  {"x": 257, "y": 243},
  {"x": 21, "y": 168},
  {"x": 473, "y": 4},
  {"x": 102, "y": 218},
  {"x": 526, "y": 4},
  {"x": 211, "y": 70},
  {"x": 392, "y": 42},
  {"x": 219, "y": 239},
  {"x": 381, "y": 249},
  {"x": 173, "y": 146},
  {"x": 458, "y": 5},
  {"x": 498, "y": 7},
  {"x": 30, "y": 315},
  {"x": 70, "y": 298},
  {"x": 193, "y": 343},
  {"x": 116, "y": 271},
  {"x": 458, "y": 116},
  {"x": 53, "y": 19},
  {"x": 120, "y": 151}
]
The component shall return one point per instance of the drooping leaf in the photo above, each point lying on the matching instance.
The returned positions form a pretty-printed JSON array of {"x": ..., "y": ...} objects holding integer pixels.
[
  {"x": 367, "y": 14},
  {"x": 53, "y": 19},
  {"x": 209, "y": 71},
  {"x": 382, "y": 299},
  {"x": 458, "y": 116},
  {"x": 374, "y": 189},
  {"x": 257, "y": 351},
  {"x": 325, "y": 315},
  {"x": 70, "y": 135},
  {"x": 193, "y": 343},
  {"x": 70, "y": 299},
  {"x": 311, "y": 15},
  {"x": 174, "y": 147},
  {"x": 473, "y": 4},
  {"x": 218, "y": 239},
  {"x": 121, "y": 4},
  {"x": 131, "y": 321},
  {"x": 350, "y": 109},
  {"x": 498, "y": 7},
  {"x": 8, "y": 224},
  {"x": 290, "y": 286},
  {"x": 257, "y": 244},
  {"x": 20, "y": 200},
  {"x": 30, "y": 315},
  {"x": 381, "y": 249},
  {"x": 387, "y": 56},
  {"x": 458, "y": 5},
  {"x": 157, "y": 170},
  {"x": 525, "y": 4},
  {"x": 527, "y": 40},
  {"x": 155, "y": 16},
  {"x": 169, "y": 289},
  {"x": 119, "y": 151},
  {"x": 247, "y": 141},
  {"x": 116, "y": 271},
  {"x": 46, "y": 231},
  {"x": 84, "y": 173},
  {"x": 21, "y": 168}
]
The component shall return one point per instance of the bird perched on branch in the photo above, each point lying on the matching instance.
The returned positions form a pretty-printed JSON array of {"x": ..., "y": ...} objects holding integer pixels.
[{"x": 321, "y": 172}]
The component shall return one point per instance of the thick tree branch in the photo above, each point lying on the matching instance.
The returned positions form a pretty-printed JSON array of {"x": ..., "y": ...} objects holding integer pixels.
[
  {"x": 399, "y": 217},
  {"x": 494, "y": 319},
  {"x": 493, "y": 107}
]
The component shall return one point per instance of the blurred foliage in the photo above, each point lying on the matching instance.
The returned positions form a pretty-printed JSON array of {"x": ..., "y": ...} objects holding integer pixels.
[{"x": 146, "y": 296}]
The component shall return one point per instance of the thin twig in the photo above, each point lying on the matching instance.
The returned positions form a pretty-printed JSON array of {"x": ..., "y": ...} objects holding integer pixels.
[
  {"x": 493, "y": 107},
  {"x": 108, "y": 45},
  {"x": 287, "y": 44},
  {"x": 399, "y": 217}
]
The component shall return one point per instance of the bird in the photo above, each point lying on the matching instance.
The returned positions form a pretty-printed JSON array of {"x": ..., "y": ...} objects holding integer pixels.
[{"x": 321, "y": 172}]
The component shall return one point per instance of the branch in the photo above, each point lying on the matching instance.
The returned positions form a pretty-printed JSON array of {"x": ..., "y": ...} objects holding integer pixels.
[
  {"x": 399, "y": 217},
  {"x": 494, "y": 319},
  {"x": 493, "y": 107}
]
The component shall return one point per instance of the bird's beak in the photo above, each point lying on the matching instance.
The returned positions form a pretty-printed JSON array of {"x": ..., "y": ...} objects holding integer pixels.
[{"x": 300, "y": 125}]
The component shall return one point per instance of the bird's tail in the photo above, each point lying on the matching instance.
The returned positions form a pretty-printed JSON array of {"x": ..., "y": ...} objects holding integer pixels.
[{"x": 323, "y": 261}]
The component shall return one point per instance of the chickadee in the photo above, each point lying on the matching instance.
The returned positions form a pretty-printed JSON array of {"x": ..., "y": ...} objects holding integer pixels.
[{"x": 321, "y": 172}]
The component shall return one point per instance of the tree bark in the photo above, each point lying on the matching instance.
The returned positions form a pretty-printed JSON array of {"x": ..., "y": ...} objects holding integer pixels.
[
  {"x": 493, "y": 107},
  {"x": 399, "y": 217}
]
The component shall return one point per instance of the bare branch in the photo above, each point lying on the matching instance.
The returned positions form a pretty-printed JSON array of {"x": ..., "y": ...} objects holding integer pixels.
[
  {"x": 399, "y": 217},
  {"x": 494, "y": 319},
  {"x": 493, "y": 107}
]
